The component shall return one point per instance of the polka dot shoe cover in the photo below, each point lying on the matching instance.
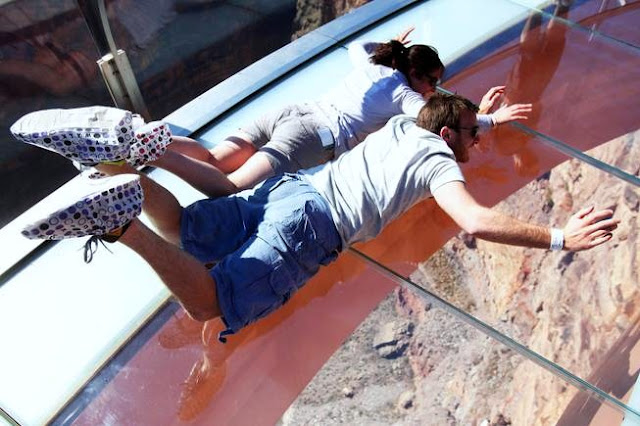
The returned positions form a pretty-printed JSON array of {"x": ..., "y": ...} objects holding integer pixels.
[
  {"x": 88, "y": 135},
  {"x": 150, "y": 142},
  {"x": 86, "y": 207}
]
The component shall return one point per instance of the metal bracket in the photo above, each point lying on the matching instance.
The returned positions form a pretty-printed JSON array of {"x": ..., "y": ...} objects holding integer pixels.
[
  {"x": 121, "y": 82},
  {"x": 114, "y": 64}
]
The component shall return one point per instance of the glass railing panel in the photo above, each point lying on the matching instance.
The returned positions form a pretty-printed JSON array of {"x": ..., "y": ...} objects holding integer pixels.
[
  {"x": 180, "y": 49},
  {"x": 411, "y": 362},
  {"x": 182, "y": 373},
  {"x": 47, "y": 60},
  {"x": 559, "y": 68}
]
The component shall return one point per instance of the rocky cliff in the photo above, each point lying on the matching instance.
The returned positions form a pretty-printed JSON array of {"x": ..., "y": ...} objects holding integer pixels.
[
  {"x": 410, "y": 363},
  {"x": 310, "y": 14}
]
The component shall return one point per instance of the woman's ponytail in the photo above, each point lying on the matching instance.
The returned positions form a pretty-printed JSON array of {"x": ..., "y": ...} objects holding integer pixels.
[
  {"x": 419, "y": 57},
  {"x": 392, "y": 54}
]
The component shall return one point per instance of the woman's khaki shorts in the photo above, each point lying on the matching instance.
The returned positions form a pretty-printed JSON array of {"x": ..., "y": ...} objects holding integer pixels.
[{"x": 289, "y": 137}]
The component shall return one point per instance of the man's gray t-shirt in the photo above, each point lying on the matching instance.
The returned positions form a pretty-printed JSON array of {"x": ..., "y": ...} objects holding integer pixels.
[{"x": 381, "y": 178}]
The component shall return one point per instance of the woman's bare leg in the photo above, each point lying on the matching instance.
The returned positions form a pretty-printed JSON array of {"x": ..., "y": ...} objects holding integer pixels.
[
  {"x": 203, "y": 176},
  {"x": 227, "y": 156},
  {"x": 206, "y": 170},
  {"x": 254, "y": 170}
]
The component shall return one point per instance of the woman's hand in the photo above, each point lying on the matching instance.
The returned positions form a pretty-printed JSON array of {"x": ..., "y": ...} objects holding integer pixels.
[
  {"x": 508, "y": 113},
  {"x": 402, "y": 37},
  {"x": 490, "y": 98}
]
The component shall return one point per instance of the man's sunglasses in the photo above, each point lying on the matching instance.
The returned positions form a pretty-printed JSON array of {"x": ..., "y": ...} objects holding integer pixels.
[{"x": 473, "y": 131}]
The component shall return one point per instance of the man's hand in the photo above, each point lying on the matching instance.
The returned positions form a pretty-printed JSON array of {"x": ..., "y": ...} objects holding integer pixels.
[
  {"x": 508, "y": 113},
  {"x": 584, "y": 230},
  {"x": 402, "y": 37},
  {"x": 589, "y": 228},
  {"x": 490, "y": 98}
]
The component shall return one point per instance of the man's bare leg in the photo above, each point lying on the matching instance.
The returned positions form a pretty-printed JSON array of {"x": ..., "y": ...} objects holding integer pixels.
[
  {"x": 187, "y": 279},
  {"x": 159, "y": 204}
]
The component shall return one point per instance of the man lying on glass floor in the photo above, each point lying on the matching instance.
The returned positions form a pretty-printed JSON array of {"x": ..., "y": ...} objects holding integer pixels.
[{"x": 266, "y": 242}]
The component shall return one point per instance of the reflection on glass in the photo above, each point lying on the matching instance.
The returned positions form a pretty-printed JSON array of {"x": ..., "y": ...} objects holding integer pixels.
[
  {"x": 566, "y": 81},
  {"x": 611, "y": 18},
  {"x": 47, "y": 60},
  {"x": 539, "y": 53},
  {"x": 207, "y": 375},
  {"x": 177, "y": 53},
  {"x": 410, "y": 362},
  {"x": 186, "y": 375}
]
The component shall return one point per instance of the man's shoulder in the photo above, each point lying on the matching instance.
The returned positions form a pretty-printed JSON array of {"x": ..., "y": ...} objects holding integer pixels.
[
  {"x": 409, "y": 133},
  {"x": 402, "y": 120},
  {"x": 406, "y": 124}
]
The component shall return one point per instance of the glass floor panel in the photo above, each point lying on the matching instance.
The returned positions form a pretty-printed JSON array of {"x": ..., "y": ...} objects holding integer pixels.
[
  {"x": 182, "y": 373},
  {"x": 417, "y": 363},
  {"x": 578, "y": 310},
  {"x": 604, "y": 282},
  {"x": 155, "y": 379}
]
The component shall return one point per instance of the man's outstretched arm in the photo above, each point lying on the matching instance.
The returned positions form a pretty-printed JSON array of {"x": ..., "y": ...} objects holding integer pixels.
[{"x": 586, "y": 229}]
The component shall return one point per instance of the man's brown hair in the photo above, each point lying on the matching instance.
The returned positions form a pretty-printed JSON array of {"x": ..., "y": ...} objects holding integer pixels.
[{"x": 443, "y": 110}]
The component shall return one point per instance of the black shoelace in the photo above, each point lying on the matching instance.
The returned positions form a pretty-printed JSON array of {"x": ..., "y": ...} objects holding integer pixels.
[{"x": 91, "y": 246}]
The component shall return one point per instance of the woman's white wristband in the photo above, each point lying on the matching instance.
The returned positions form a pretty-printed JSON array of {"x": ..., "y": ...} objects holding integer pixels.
[{"x": 557, "y": 239}]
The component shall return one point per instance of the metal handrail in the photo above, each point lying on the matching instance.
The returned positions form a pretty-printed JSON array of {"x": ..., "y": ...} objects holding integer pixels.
[
  {"x": 95, "y": 15},
  {"x": 113, "y": 63}
]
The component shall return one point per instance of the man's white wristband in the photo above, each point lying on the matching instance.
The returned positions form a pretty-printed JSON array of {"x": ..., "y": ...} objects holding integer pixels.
[
  {"x": 557, "y": 239},
  {"x": 494, "y": 122}
]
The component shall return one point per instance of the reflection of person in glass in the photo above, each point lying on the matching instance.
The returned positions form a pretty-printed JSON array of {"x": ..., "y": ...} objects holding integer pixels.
[
  {"x": 540, "y": 51},
  {"x": 51, "y": 69},
  {"x": 209, "y": 371}
]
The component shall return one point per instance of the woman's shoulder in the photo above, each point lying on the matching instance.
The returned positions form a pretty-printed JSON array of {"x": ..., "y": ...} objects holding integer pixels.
[{"x": 383, "y": 75}]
